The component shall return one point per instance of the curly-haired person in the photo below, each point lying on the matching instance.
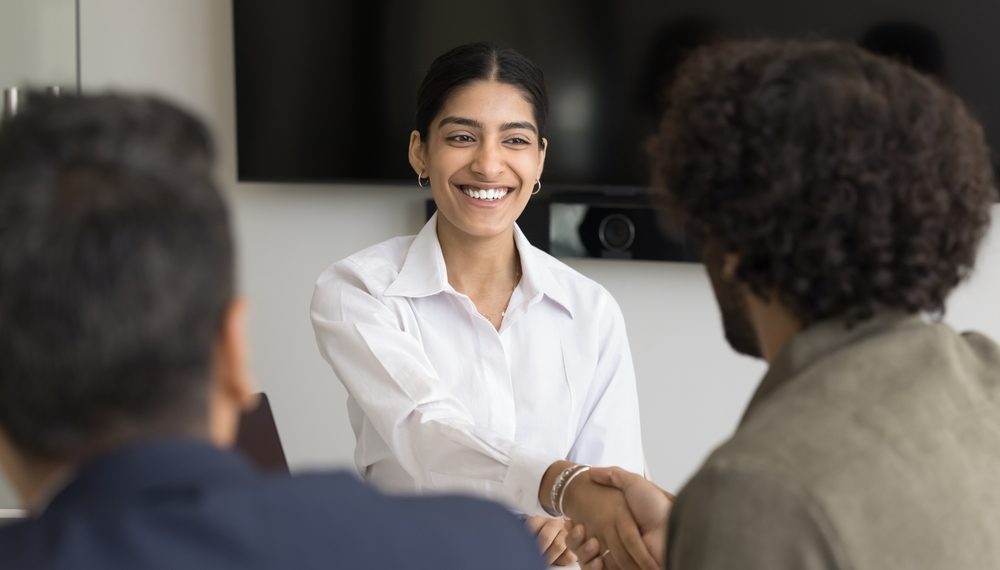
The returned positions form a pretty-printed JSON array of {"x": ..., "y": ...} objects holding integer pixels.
[{"x": 839, "y": 198}]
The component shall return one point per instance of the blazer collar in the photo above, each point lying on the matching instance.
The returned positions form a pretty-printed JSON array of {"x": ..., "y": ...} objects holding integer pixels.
[{"x": 818, "y": 341}]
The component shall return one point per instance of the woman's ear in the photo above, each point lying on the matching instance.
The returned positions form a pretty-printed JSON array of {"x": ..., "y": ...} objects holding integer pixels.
[
  {"x": 730, "y": 263},
  {"x": 418, "y": 153},
  {"x": 541, "y": 159}
]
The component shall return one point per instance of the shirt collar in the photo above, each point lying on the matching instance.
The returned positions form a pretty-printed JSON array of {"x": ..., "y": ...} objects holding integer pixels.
[
  {"x": 536, "y": 274},
  {"x": 818, "y": 341},
  {"x": 424, "y": 272}
]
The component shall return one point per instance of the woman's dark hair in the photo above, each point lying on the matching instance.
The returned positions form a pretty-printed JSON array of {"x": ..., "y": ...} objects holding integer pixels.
[
  {"x": 845, "y": 182},
  {"x": 116, "y": 269},
  {"x": 474, "y": 62}
]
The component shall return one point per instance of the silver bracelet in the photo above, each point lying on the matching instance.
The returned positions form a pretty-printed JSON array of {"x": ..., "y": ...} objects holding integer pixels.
[
  {"x": 558, "y": 488},
  {"x": 554, "y": 491},
  {"x": 562, "y": 493}
]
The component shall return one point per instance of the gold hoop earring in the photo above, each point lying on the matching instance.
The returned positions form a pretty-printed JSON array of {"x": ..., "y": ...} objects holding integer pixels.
[
  {"x": 423, "y": 180},
  {"x": 538, "y": 187}
]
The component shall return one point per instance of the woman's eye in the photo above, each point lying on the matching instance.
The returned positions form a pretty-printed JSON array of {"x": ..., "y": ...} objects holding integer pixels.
[
  {"x": 461, "y": 138},
  {"x": 518, "y": 141}
]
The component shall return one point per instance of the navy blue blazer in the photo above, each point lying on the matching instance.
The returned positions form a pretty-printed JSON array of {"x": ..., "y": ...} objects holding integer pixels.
[{"x": 181, "y": 505}]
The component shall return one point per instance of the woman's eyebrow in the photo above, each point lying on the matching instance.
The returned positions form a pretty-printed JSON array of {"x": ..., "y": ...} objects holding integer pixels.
[
  {"x": 519, "y": 125},
  {"x": 472, "y": 123},
  {"x": 461, "y": 121}
]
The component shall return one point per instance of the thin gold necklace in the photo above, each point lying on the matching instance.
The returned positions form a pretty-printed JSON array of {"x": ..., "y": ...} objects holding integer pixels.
[{"x": 503, "y": 313}]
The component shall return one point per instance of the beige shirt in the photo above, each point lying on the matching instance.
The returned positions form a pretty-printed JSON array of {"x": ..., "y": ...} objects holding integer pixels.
[{"x": 874, "y": 448}]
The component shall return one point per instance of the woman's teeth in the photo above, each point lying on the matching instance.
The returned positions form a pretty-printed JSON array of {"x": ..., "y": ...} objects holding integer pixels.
[{"x": 487, "y": 194}]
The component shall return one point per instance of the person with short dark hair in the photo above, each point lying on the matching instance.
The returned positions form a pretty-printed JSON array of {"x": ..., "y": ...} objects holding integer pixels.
[
  {"x": 839, "y": 197},
  {"x": 123, "y": 372}
]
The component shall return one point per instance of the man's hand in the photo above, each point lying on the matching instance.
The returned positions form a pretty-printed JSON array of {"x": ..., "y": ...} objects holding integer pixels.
[
  {"x": 649, "y": 504},
  {"x": 551, "y": 535},
  {"x": 604, "y": 511}
]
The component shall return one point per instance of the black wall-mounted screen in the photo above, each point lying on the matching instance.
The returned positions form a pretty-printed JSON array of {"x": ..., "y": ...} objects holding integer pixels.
[{"x": 325, "y": 89}]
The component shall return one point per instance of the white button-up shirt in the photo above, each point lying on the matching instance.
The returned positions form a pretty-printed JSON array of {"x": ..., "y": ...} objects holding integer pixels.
[{"x": 441, "y": 401}]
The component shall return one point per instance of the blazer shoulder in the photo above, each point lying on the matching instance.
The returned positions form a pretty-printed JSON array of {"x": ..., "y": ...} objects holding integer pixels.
[
  {"x": 17, "y": 540},
  {"x": 473, "y": 532},
  {"x": 422, "y": 532}
]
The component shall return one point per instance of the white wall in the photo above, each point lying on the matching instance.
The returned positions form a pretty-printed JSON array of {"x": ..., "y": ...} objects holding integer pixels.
[
  {"x": 37, "y": 43},
  {"x": 692, "y": 387}
]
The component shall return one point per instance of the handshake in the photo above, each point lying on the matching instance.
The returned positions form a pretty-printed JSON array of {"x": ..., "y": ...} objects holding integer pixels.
[{"x": 616, "y": 519}]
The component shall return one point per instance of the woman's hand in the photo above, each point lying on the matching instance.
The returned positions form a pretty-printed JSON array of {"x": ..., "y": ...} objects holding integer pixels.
[
  {"x": 551, "y": 535},
  {"x": 587, "y": 550}
]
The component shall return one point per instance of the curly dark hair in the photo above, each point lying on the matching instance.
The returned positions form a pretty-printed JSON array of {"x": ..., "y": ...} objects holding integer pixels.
[{"x": 845, "y": 182}]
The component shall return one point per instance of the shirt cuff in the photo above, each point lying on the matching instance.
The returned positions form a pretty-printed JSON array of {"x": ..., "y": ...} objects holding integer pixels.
[{"x": 524, "y": 475}]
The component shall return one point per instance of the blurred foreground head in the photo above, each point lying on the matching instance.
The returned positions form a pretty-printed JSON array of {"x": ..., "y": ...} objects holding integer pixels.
[{"x": 116, "y": 274}]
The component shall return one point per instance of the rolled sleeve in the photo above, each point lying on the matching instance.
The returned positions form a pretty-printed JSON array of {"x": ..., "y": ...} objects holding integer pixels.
[{"x": 524, "y": 473}]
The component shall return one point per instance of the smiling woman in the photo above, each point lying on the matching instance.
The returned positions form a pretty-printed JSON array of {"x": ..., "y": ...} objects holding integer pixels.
[
  {"x": 474, "y": 361},
  {"x": 483, "y": 155}
]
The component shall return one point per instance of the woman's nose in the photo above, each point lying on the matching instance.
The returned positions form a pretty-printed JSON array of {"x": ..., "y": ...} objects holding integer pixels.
[{"x": 488, "y": 162}]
